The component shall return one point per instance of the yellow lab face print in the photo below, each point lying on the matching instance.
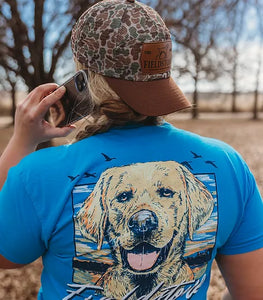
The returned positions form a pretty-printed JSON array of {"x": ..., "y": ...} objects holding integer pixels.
[{"x": 146, "y": 213}]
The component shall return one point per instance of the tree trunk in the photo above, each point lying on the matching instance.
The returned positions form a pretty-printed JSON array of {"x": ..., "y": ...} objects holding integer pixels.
[
  {"x": 13, "y": 109},
  {"x": 195, "y": 111},
  {"x": 234, "y": 83},
  {"x": 234, "y": 100},
  {"x": 255, "y": 107}
]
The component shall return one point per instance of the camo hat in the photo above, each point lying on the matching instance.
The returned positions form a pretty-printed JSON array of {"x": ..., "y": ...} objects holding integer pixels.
[{"x": 128, "y": 43}]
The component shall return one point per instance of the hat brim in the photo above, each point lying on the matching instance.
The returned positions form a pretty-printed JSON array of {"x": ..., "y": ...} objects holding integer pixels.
[{"x": 150, "y": 98}]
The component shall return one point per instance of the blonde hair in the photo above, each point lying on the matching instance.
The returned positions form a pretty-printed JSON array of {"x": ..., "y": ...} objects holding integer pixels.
[{"x": 109, "y": 110}]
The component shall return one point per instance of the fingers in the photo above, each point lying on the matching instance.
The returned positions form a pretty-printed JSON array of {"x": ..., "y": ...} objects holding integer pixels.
[
  {"x": 37, "y": 103},
  {"x": 49, "y": 100},
  {"x": 56, "y": 132},
  {"x": 64, "y": 131},
  {"x": 36, "y": 96},
  {"x": 42, "y": 91},
  {"x": 30, "y": 115}
]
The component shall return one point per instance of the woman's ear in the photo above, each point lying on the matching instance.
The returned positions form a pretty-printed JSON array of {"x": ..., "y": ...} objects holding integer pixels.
[{"x": 57, "y": 113}]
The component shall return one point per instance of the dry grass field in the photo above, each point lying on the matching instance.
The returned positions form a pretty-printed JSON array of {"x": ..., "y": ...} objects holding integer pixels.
[{"x": 244, "y": 135}]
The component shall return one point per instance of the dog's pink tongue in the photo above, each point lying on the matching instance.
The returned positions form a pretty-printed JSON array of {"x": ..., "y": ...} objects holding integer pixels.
[{"x": 142, "y": 261}]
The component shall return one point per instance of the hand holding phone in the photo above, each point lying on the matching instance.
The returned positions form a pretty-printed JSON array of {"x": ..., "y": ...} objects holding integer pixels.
[{"x": 75, "y": 103}]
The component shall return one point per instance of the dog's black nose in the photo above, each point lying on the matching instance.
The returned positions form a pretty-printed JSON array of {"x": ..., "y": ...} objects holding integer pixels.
[{"x": 143, "y": 222}]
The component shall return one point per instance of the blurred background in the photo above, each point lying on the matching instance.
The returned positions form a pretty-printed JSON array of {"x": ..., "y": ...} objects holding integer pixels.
[
  {"x": 218, "y": 49},
  {"x": 217, "y": 62}
]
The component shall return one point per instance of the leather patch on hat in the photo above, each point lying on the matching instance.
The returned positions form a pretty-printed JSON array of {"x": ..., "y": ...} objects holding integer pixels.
[{"x": 156, "y": 57}]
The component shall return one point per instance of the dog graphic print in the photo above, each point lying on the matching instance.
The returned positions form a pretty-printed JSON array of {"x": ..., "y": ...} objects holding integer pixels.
[{"x": 145, "y": 213}]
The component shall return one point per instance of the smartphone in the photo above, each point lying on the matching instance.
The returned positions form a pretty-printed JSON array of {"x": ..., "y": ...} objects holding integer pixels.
[{"x": 75, "y": 103}]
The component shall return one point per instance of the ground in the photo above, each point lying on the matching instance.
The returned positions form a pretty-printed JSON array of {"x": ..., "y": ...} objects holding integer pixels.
[{"x": 244, "y": 135}]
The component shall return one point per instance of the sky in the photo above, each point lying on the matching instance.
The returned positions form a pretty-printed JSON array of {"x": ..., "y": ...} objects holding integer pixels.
[{"x": 248, "y": 58}]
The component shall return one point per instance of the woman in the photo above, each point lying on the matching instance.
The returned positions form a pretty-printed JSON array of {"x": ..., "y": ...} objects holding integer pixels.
[{"x": 135, "y": 208}]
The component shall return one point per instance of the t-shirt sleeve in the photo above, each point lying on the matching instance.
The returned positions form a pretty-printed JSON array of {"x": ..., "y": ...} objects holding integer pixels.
[
  {"x": 20, "y": 227},
  {"x": 247, "y": 235}
]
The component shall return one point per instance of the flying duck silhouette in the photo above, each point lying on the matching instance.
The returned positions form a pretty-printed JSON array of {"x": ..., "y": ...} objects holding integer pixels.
[
  {"x": 211, "y": 163},
  {"x": 196, "y": 155},
  {"x": 86, "y": 174},
  {"x": 107, "y": 158},
  {"x": 72, "y": 178}
]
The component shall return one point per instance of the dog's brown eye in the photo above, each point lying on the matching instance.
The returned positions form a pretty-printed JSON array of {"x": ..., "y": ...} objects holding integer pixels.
[
  {"x": 165, "y": 193},
  {"x": 124, "y": 196}
]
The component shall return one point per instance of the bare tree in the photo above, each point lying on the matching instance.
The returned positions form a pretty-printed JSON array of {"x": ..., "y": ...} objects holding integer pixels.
[
  {"x": 231, "y": 52},
  {"x": 34, "y": 36},
  {"x": 196, "y": 26},
  {"x": 259, "y": 8},
  {"x": 8, "y": 83}
]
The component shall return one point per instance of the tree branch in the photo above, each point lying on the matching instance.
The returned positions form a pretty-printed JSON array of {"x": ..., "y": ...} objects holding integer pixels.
[{"x": 57, "y": 51}]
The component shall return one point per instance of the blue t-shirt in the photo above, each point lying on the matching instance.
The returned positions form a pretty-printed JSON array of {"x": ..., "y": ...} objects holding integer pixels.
[{"x": 136, "y": 212}]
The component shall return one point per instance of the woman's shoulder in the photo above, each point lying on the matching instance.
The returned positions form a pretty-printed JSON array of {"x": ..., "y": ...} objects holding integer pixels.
[{"x": 187, "y": 138}]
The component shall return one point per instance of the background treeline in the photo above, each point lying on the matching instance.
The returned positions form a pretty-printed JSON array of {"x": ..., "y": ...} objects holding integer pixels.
[{"x": 212, "y": 40}]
